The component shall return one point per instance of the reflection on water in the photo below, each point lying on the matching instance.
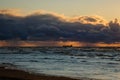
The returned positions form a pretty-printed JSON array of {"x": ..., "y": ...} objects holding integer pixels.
[{"x": 100, "y": 63}]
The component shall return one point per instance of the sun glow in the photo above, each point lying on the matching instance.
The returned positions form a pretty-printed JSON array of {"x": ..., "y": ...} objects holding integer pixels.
[{"x": 54, "y": 43}]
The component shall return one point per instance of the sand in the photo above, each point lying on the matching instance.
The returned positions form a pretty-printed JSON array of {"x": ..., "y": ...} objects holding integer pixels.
[{"x": 14, "y": 74}]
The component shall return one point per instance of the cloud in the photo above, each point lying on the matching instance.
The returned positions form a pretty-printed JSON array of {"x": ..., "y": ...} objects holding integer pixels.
[
  {"x": 11, "y": 12},
  {"x": 90, "y": 20},
  {"x": 49, "y": 26}
]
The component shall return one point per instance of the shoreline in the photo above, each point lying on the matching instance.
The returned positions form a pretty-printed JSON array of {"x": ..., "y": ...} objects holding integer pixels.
[{"x": 14, "y": 74}]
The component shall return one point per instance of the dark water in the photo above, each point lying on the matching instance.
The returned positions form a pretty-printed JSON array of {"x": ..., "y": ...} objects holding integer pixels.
[{"x": 99, "y": 63}]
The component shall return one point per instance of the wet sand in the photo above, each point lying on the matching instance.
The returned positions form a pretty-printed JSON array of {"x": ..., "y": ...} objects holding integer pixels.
[{"x": 14, "y": 74}]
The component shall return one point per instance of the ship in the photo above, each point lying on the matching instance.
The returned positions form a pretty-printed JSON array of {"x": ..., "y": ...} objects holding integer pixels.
[{"x": 67, "y": 46}]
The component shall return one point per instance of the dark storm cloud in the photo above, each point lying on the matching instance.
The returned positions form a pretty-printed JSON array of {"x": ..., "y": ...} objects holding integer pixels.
[{"x": 46, "y": 26}]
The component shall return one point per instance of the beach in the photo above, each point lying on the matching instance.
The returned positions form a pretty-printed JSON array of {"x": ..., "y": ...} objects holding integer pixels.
[{"x": 15, "y": 74}]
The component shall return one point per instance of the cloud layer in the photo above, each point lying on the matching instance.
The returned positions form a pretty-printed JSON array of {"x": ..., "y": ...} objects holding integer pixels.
[{"x": 49, "y": 26}]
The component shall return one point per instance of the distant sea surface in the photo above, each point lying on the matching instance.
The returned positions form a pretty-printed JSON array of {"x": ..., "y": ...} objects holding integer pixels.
[{"x": 99, "y": 63}]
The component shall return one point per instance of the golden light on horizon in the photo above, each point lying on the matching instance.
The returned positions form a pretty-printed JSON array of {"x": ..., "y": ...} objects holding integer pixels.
[
  {"x": 73, "y": 43},
  {"x": 108, "y": 44},
  {"x": 55, "y": 43}
]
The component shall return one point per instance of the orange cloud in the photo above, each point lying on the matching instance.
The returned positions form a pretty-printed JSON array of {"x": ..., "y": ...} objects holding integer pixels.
[
  {"x": 49, "y": 26},
  {"x": 82, "y": 19},
  {"x": 89, "y": 20},
  {"x": 12, "y": 12}
]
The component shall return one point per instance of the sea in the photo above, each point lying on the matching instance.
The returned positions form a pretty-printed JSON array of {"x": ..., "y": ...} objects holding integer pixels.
[{"x": 76, "y": 62}]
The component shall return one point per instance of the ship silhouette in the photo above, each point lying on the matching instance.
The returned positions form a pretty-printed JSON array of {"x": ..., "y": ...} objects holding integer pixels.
[{"x": 65, "y": 46}]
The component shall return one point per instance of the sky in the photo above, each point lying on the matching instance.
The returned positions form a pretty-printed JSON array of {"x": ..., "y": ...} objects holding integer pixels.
[
  {"x": 59, "y": 22},
  {"x": 109, "y": 9}
]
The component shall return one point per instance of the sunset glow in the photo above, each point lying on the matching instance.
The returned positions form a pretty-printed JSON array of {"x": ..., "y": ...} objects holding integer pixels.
[
  {"x": 81, "y": 24},
  {"x": 54, "y": 44},
  {"x": 59, "y": 39}
]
